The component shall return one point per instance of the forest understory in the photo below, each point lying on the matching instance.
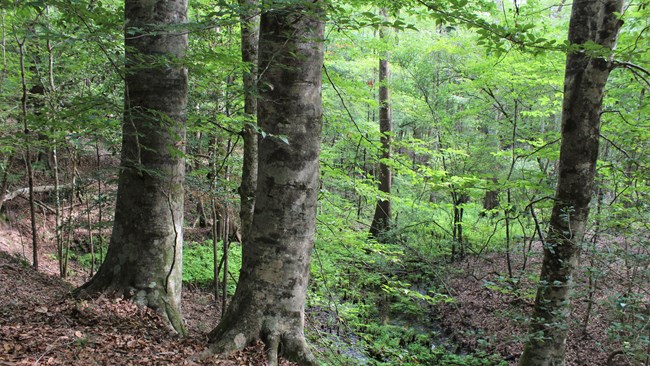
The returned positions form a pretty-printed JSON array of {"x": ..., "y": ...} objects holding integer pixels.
[
  {"x": 42, "y": 324},
  {"x": 365, "y": 183}
]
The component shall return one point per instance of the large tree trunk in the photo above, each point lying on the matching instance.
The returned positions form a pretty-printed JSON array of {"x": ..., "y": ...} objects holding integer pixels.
[
  {"x": 381, "y": 220},
  {"x": 584, "y": 83},
  {"x": 144, "y": 258},
  {"x": 249, "y": 45},
  {"x": 270, "y": 296}
]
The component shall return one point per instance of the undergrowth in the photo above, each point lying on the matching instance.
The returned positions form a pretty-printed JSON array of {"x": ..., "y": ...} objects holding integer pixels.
[
  {"x": 198, "y": 264},
  {"x": 380, "y": 299}
]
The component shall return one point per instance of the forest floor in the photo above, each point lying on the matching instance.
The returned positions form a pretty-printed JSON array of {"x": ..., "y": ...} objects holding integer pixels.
[
  {"x": 40, "y": 324},
  {"x": 490, "y": 312}
]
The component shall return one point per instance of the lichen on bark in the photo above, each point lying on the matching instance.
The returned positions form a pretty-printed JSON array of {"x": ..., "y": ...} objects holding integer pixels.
[
  {"x": 144, "y": 257},
  {"x": 269, "y": 301},
  {"x": 584, "y": 85}
]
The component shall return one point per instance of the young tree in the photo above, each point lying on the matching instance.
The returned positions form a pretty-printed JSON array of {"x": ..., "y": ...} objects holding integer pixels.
[
  {"x": 270, "y": 297},
  {"x": 143, "y": 261},
  {"x": 381, "y": 220},
  {"x": 592, "y": 22}
]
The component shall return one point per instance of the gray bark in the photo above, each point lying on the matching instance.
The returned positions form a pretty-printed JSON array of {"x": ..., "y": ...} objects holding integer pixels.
[
  {"x": 144, "y": 256},
  {"x": 584, "y": 84},
  {"x": 28, "y": 154},
  {"x": 270, "y": 296},
  {"x": 381, "y": 220},
  {"x": 249, "y": 21}
]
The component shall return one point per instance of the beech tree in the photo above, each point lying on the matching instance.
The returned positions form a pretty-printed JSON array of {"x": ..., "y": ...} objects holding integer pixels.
[
  {"x": 592, "y": 22},
  {"x": 270, "y": 297},
  {"x": 249, "y": 21},
  {"x": 143, "y": 261},
  {"x": 381, "y": 220}
]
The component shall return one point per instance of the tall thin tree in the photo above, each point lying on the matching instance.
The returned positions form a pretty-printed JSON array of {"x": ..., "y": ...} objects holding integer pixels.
[
  {"x": 28, "y": 147},
  {"x": 270, "y": 297},
  {"x": 381, "y": 220},
  {"x": 144, "y": 256},
  {"x": 592, "y": 22}
]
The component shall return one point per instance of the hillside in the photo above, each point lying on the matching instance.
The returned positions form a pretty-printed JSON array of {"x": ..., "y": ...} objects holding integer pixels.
[{"x": 40, "y": 324}]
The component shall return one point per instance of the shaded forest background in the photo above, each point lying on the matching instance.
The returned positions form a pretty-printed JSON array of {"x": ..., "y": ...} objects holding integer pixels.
[{"x": 476, "y": 96}]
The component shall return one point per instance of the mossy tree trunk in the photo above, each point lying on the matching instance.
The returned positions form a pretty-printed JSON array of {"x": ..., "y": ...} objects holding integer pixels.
[
  {"x": 584, "y": 83},
  {"x": 144, "y": 256},
  {"x": 270, "y": 297}
]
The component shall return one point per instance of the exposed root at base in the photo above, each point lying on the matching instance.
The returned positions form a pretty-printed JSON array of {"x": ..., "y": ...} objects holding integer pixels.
[
  {"x": 293, "y": 347},
  {"x": 169, "y": 314}
]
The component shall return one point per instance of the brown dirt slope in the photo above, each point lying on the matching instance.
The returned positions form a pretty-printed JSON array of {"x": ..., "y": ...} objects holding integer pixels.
[{"x": 40, "y": 324}]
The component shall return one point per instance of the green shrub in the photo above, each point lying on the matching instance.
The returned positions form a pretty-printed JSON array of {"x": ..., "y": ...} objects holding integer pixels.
[{"x": 198, "y": 264}]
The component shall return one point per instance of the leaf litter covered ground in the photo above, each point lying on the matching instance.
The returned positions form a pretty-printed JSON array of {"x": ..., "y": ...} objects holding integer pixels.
[
  {"x": 40, "y": 324},
  {"x": 491, "y": 312}
]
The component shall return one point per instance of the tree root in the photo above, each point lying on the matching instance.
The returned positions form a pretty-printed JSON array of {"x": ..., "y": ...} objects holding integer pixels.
[
  {"x": 295, "y": 348},
  {"x": 170, "y": 316},
  {"x": 287, "y": 343},
  {"x": 612, "y": 356}
]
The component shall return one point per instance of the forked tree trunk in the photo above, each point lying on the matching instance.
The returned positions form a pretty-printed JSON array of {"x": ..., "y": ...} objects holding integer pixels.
[
  {"x": 270, "y": 297},
  {"x": 381, "y": 220},
  {"x": 250, "y": 35},
  {"x": 144, "y": 259},
  {"x": 584, "y": 83}
]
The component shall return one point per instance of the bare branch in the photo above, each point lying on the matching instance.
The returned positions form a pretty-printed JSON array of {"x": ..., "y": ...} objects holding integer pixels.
[{"x": 637, "y": 70}]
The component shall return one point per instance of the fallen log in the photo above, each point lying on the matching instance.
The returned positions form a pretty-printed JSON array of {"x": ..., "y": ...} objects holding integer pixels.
[{"x": 25, "y": 191}]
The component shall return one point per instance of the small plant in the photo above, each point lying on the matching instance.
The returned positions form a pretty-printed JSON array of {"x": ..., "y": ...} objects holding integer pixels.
[
  {"x": 630, "y": 326},
  {"x": 510, "y": 286},
  {"x": 85, "y": 259},
  {"x": 198, "y": 264}
]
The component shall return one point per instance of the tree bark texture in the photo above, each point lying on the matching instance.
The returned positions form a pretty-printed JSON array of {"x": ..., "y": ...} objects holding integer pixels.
[
  {"x": 270, "y": 297},
  {"x": 144, "y": 256},
  {"x": 249, "y": 21},
  {"x": 381, "y": 220},
  {"x": 584, "y": 83}
]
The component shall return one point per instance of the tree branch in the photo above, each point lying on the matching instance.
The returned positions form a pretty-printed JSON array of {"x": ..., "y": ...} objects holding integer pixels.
[
  {"x": 338, "y": 93},
  {"x": 637, "y": 70}
]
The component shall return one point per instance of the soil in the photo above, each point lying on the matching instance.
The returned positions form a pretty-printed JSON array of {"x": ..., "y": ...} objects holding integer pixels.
[
  {"x": 41, "y": 324},
  {"x": 490, "y": 312}
]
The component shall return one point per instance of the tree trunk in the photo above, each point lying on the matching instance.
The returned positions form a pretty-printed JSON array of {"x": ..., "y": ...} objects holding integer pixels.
[
  {"x": 6, "y": 172},
  {"x": 249, "y": 44},
  {"x": 381, "y": 220},
  {"x": 144, "y": 258},
  {"x": 584, "y": 83},
  {"x": 491, "y": 199},
  {"x": 28, "y": 154},
  {"x": 270, "y": 296},
  {"x": 459, "y": 199}
]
